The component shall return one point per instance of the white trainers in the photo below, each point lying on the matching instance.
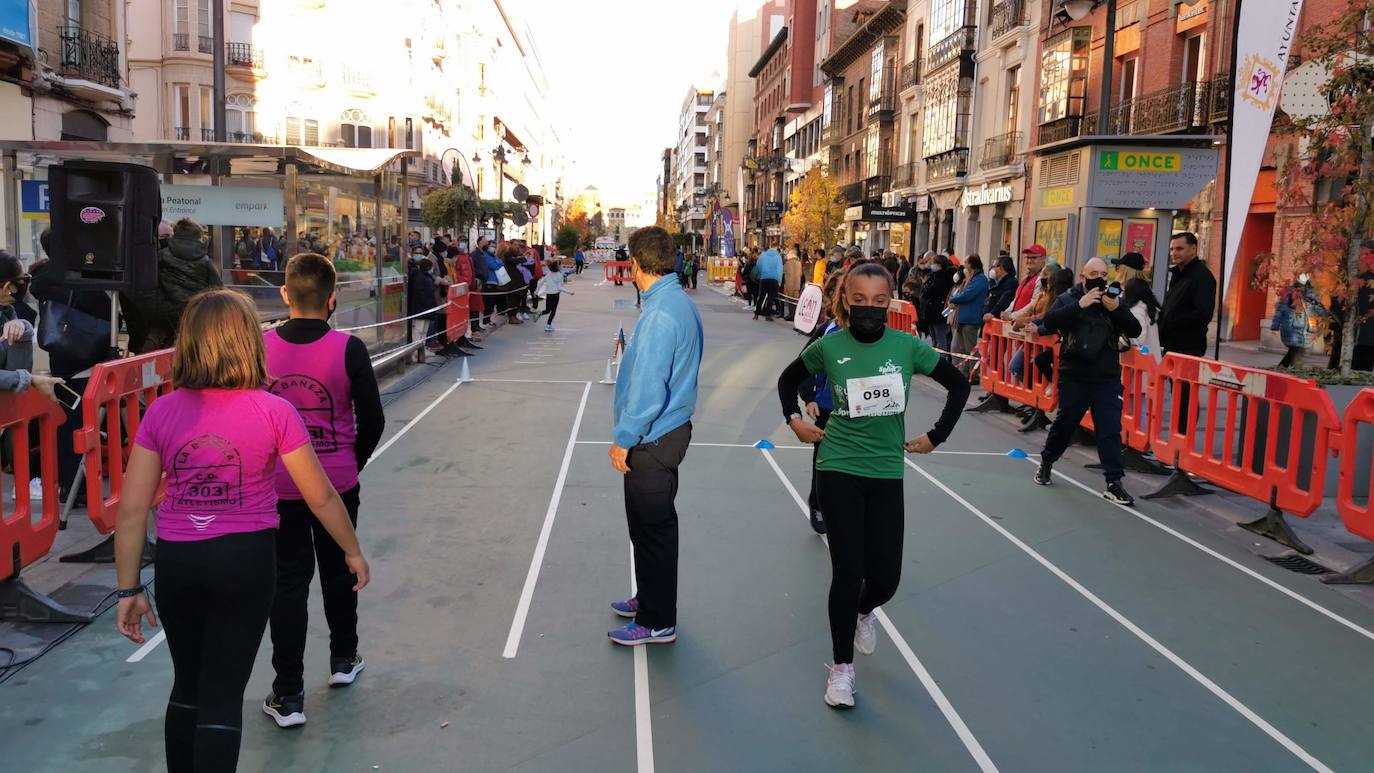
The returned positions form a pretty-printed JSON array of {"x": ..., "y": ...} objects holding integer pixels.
[
  {"x": 36, "y": 489},
  {"x": 866, "y": 634},
  {"x": 839, "y": 688}
]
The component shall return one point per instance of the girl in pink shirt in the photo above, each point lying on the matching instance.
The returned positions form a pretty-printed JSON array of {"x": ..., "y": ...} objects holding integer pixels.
[{"x": 217, "y": 439}]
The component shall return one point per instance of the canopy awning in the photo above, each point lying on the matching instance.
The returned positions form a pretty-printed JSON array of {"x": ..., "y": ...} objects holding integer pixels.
[{"x": 242, "y": 158}]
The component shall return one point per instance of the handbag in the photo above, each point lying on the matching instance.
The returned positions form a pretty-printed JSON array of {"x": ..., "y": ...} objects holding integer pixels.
[
  {"x": 69, "y": 332},
  {"x": 502, "y": 276}
]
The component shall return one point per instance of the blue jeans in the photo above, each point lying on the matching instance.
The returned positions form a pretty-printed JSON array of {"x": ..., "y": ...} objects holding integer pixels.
[{"x": 1104, "y": 400}]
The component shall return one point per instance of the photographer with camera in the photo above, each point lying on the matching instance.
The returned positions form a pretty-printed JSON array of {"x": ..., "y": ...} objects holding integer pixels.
[{"x": 1092, "y": 321}]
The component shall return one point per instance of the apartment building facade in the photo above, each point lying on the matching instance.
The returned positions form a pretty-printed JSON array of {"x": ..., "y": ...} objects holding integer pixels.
[{"x": 689, "y": 161}]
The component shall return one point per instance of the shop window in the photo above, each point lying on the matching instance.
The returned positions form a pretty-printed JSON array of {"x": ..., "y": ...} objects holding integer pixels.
[{"x": 1064, "y": 75}]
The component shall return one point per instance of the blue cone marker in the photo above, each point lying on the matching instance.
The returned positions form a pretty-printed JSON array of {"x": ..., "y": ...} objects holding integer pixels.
[
  {"x": 1017, "y": 453},
  {"x": 764, "y": 445}
]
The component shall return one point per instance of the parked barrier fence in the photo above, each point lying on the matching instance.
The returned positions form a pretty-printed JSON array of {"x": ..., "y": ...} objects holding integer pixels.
[
  {"x": 457, "y": 314},
  {"x": 722, "y": 269},
  {"x": 901, "y": 315},
  {"x": 1137, "y": 376},
  {"x": 1264, "y": 435},
  {"x": 30, "y": 420},
  {"x": 619, "y": 271},
  {"x": 1032, "y": 386}
]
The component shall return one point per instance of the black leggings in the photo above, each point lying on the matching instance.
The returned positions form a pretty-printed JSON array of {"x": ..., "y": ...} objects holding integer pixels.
[
  {"x": 214, "y": 597},
  {"x": 815, "y": 498},
  {"x": 863, "y": 520},
  {"x": 551, "y": 303}
]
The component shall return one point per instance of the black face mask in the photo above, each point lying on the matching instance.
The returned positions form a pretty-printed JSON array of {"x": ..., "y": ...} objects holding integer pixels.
[
  {"x": 866, "y": 323},
  {"x": 1095, "y": 284}
]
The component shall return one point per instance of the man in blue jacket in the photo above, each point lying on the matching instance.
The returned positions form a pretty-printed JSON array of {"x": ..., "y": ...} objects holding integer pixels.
[
  {"x": 655, "y": 395},
  {"x": 969, "y": 299},
  {"x": 770, "y": 277}
]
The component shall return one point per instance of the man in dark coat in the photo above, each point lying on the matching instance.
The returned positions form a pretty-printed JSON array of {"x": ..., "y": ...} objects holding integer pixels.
[{"x": 184, "y": 268}]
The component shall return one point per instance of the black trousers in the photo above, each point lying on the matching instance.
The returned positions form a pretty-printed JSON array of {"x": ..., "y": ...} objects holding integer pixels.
[
  {"x": 68, "y": 460},
  {"x": 767, "y": 300},
  {"x": 1104, "y": 400},
  {"x": 1183, "y": 395},
  {"x": 650, "y": 491},
  {"x": 551, "y": 303},
  {"x": 214, "y": 597},
  {"x": 864, "y": 522},
  {"x": 301, "y": 542},
  {"x": 815, "y": 499},
  {"x": 1293, "y": 355}
]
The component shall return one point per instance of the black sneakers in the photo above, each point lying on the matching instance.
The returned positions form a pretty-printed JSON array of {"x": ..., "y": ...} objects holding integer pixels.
[
  {"x": 344, "y": 670},
  {"x": 285, "y": 710},
  {"x": 1043, "y": 474},
  {"x": 817, "y": 522},
  {"x": 1117, "y": 493}
]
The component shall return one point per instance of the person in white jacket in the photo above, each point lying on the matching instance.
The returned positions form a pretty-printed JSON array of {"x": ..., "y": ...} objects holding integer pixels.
[{"x": 1144, "y": 306}]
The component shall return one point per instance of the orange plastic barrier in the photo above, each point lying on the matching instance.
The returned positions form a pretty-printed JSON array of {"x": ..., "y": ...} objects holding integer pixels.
[
  {"x": 1358, "y": 519},
  {"x": 1137, "y": 378},
  {"x": 457, "y": 314},
  {"x": 619, "y": 271},
  {"x": 28, "y": 418},
  {"x": 901, "y": 315},
  {"x": 123, "y": 389},
  {"x": 1000, "y": 345},
  {"x": 1240, "y": 401}
]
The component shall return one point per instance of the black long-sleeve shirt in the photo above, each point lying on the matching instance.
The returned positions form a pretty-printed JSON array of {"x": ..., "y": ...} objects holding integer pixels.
[
  {"x": 367, "y": 398},
  {"x": 945, "y": 374}
]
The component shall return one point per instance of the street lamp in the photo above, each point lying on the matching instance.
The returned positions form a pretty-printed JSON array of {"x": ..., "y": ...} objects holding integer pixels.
[{"x": 1077, "y": 10}]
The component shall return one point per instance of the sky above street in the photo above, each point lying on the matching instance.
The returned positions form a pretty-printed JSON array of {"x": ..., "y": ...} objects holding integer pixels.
[{"x": 618, "y": 72}]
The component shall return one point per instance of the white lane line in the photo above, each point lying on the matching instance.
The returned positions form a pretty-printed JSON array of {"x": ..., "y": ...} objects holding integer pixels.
[
  {"x": 1137, "y": 631},
  {"x": 148, "y": 646},
  {"x": 526, "y": 381},
  {"x": 789, "y": 448},
  {"x": 529, "y": 362},
  {"x": 644, "y": 728},
  {"x": 522, "y": 609},
  {"x": 151, "y": 644},
  {"x": 1298, "y": 597},
  {"x": 975, "y": 749}
]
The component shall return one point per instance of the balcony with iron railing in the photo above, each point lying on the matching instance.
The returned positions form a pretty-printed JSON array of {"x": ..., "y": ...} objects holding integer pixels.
[
  {"x": 1222, "y": 88},
  {"x": 358, "y": 82},
  {"x": 1182, "y": 108},
  {"x": 911, "y": 74},
  {"x": 89, "y": 57},
  {"x": 306, "y": 72},
  {"x": 181, "y": 41},
  {"x": 853, "y": 193},
  {"x": 882, "y": 106},
  {"x": 1006, "y": 16},
  {"x": 244, "y": 55},
  {"x": 949, "y": 165},
  {"x": 207, "y": 134},
  {"x": 181, "y": 133},
  {"x": 206, "y": 44},
  {"x": 958, "y": 43},
  {"x": 907, "y": 175},
  {"x": 1002, "y": 150},
  {"x": 836, "y": 131}
]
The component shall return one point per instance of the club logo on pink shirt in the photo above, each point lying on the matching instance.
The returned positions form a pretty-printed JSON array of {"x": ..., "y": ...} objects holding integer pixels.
[
  {"x": 211, "y": 469},
  {"x": 315, "y": 405}
]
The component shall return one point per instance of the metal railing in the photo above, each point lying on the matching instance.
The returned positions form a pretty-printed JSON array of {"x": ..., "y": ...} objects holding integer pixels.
[
  {"x": 181, "y": 133},
  {"x": 951, "y": 48},
  {"x": 307, "y": 72},
  {"x": 1222, "y": 89},
  {"x": 1001, "y": 150},
  {"x": 875, "y": 187},
  {"x": 207, "y": 44},
  {"x": 207, "y": 134},
  {"x": 1187, "y": 107},
  {"x": 947, "y": 165},
  {"x": 181, "y": 41},
  {"x": 89, "y": 56},
  {"x": 911, "y": 74},
  {"x": 853, "y": 193},
  {"x": 836, "y": 131},
  {"x": 244, "y": 55},
  {"x": 906, "y": 175},
  {"x": 251, "y": 138},
  {"x": 358, "y": 80},
  {"x": 882, "y": 106},
  {"x": 1005, "y": 17}
]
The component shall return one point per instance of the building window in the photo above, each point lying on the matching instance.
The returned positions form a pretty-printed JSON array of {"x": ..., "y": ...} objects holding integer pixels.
[
  {"x": 239, "y": 117},
  {"x": 875, "y": 88},
  {"x": 947, "y": 16},
  {"x": 871, "y": 145},
  {"x": 293, "y": 131},
  {"x": 1064, "y": 75},
  {"x": 203, "y": 18},
  {"x": 480, "y": 177},
  {"x": 1013, "y": 110},
  {"x": 181, "y": 16},
  {"x": 181, "y": 109},
  {"x": 947, "y": 112},
  {"x": 207, "y": 111},
  {"x": 1193, "y": 61},
  {"x": 355, "y": 130},
  {"x": 1128, "y": 80},
  {"x": 312, "y": 132},
  {"x": 481, "y": 127}
]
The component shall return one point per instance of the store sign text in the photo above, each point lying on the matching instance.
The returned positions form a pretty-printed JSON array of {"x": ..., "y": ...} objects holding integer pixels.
[
  {"x": 986, "y": 195},
  {"x": 1134, "y": 161}
]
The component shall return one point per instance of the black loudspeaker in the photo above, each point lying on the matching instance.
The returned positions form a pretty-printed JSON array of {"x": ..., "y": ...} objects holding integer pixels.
[{"x": 104, "y": 224}]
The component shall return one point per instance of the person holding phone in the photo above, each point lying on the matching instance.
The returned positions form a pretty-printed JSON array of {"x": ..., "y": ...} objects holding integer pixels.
[
  {"x": 1091, "y": 321},
  {"x": 217, "y": 438}
]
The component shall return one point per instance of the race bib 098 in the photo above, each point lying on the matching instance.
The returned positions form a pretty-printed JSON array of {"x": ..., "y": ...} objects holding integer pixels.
[{"x": 876, "y": 395}]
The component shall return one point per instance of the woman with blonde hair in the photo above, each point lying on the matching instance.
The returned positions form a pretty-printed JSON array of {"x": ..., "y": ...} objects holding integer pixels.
[{"x": 217, "y": 438}]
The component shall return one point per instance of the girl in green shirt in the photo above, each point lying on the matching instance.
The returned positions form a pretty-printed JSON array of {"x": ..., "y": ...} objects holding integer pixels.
[{"x": 860, "y": 466}]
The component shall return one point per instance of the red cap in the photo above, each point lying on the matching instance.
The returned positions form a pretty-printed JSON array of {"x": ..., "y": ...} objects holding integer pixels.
[{"x": 1035, "y": 249}]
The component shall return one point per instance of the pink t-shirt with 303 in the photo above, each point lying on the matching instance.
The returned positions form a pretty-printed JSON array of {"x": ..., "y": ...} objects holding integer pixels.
[{"x": 219, "y": 449}]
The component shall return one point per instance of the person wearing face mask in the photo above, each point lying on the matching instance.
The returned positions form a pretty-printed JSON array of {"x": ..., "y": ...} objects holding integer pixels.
[
  {"x": 860, "y": 463},
  {"x": 1296, "y": 304},
  {"x": 1091, "y": 321},
  {"x": 327, "y": 375}
]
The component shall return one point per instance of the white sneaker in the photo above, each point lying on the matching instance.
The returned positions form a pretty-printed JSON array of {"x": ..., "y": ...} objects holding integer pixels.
[
  {"x": 839, "y": 688},
  {"x": 36, "y": 489},
  {"x": 548, "y": 328},
  {"x": 866, "y": 634}
]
